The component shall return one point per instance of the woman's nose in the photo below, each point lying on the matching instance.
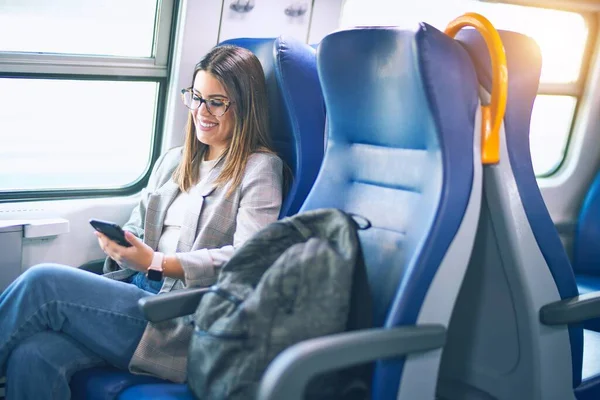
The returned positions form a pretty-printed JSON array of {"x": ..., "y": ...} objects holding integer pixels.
[{"x": 203, "y": 110}]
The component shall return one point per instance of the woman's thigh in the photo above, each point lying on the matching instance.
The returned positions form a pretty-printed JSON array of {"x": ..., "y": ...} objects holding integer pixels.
[{"x": 100, "y": 313}]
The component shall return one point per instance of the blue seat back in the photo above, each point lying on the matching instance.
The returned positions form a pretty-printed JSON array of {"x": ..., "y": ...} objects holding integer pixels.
[
  {"x": 586, "y": 251},
  {"x": 497, "y": 344},
  {"x": 296, "y": 110},
  {"x": 524, "y": 65},
  {"x": 401, "y": 112}
]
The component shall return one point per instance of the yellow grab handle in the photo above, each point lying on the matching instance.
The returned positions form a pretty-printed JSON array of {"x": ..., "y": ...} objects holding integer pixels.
[{"x": 492, "y": 115}]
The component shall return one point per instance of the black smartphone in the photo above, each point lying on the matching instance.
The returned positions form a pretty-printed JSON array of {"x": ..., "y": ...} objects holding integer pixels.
[{"x": 113, "y": 231}]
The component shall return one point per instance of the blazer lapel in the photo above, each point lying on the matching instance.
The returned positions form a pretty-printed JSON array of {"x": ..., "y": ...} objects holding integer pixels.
[{"x": 158, "y": 204}]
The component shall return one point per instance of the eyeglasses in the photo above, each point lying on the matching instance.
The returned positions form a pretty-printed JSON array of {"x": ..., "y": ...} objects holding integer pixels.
[{"x": 216, "y": 107}]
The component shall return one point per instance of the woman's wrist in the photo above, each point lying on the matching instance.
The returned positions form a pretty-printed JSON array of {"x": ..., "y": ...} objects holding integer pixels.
[{"x": 155, "y": 269}]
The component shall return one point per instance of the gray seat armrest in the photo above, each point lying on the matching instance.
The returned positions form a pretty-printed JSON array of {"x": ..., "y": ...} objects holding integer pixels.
[
  {"x": 171, "y": 305},
  {"x": 571, "y": 311},
  {"x": 290, "y": 371}
]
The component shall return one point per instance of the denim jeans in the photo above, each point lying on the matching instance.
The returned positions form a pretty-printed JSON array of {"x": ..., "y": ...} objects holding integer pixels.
[{"x": 56, "y": 320}]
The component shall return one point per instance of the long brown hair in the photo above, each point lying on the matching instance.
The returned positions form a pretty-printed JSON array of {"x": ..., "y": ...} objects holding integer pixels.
[{"x": 242, "y": 76}]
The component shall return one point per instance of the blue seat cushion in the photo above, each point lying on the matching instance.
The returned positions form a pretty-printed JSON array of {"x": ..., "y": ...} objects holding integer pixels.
[
  {"x": 158, "y": 391},
  {"x": 588, "y": 284},
  {"x": 586, "y": 252},
  {"x": 590, "y": 383},
  {"x": 106, "y": 383}
]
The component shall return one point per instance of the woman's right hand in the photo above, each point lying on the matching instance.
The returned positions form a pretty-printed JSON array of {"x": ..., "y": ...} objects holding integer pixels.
[{"x": 138, "y": 256}]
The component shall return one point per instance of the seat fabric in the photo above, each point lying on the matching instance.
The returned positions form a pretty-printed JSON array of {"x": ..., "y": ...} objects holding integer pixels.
[
  {"x": 586, "y": 251},
  {"x": 524, "y": 70},
  {"x": 401, "y": 110},
  {"x": 587, "y": 284},
  {"x": 589, "y": 388},
  {"x": 105, "y": 383},
  {"x": 297, "y": 121},
  {"x": 166, "y": 391},
  {"x": 586, "y": 248}
]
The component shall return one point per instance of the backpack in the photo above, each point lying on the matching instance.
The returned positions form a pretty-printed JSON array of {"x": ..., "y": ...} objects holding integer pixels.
[{"x": 292, "y": 281}]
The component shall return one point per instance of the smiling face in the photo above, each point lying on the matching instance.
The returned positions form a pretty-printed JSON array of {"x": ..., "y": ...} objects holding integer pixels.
[{"x": 213, "y": 131}]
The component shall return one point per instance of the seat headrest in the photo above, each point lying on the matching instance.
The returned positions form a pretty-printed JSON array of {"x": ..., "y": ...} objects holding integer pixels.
[{"x": 296, "y": 110}]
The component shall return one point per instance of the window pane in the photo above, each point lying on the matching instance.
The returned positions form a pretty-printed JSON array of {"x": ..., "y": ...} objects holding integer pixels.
[
  {"x": 68, "y": 134},
  {"x": 549, "y": 132},
  {"x": 101, "y": 27},
  {"x": 561, "y": 35}
]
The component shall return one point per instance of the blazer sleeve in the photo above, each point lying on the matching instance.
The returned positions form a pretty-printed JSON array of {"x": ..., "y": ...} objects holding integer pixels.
[
  {"x": 261, "y": 194},
  {"x": 135, "y": 223}
]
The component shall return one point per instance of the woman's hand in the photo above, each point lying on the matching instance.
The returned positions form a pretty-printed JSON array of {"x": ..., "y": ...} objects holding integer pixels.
[{"x": 137, "y": 257}]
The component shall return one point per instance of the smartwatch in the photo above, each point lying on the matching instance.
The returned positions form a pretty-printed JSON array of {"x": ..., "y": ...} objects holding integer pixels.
[{"x": 155, "y": 270}]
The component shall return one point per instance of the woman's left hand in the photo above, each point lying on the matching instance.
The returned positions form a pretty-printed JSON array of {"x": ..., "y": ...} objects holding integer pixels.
[{"x": 137, "y": 257}]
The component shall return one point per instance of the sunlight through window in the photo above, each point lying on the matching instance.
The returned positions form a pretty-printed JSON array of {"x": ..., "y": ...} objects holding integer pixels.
[{"x": 561, "y": 35}]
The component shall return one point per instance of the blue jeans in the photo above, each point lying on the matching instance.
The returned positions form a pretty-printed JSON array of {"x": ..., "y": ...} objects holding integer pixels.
[{"x": 56, "y": 320}]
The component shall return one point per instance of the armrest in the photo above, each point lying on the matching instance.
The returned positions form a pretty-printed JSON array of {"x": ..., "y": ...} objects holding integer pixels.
[
  {"x": 571, "y": 311},
  {"x": 171, "y": 305},
  {"x": 290, "y": 371}
]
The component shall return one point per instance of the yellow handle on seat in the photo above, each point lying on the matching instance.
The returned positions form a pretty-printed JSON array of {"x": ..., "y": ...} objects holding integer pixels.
[{"x": 492, "y": 115}]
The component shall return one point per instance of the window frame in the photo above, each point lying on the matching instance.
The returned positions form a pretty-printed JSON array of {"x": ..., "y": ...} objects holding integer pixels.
[{"x": 21, "y": 65}]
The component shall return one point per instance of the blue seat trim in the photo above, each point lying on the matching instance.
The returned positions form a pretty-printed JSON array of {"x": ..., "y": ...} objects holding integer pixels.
[
  {"x": 432, "y": 131},
  {"x": 168, "y": 391},
  {"x": 438, "y": 55},
  {"x": 524, "y": 68},
  {"x": 105, "y": 383},
  {"x": 587, "y": 283},
  {"x": 304, "y": 119},
  {"x": 589, "y": 390},
  {"x": 586, "y": 252}
]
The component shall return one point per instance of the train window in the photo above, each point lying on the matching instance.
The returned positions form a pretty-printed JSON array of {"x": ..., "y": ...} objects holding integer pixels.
[
  {"x": 96, "y": 143},
  {"x": 109, "y": 27},
  {"x": 550, "y": 123},
  {"x": 80, "y": 84},
  {"x": 563, "y": 51}
]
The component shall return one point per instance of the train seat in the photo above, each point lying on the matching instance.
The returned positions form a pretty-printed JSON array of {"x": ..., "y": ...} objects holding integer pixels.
[
  {"x": 401, "y": 152},
  {"x": 586, "y": 248},
  {"x": 297, "y": 120},
  {"x": 296, "y": 110},
  {"x": 500, "y": 345}
]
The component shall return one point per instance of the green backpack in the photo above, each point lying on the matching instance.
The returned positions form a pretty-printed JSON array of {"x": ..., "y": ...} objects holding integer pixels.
[{"x": 292, "y": 281}]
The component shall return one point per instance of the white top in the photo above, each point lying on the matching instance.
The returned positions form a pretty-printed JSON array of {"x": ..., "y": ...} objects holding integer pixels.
[{"x": 176, "y": 213}]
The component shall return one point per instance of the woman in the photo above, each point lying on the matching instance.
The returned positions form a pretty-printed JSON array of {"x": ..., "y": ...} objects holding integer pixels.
[{"x": 201, "y": 202}]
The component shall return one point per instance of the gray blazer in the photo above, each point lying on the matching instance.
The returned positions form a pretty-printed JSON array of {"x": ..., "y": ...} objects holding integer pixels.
[{"x": 214, "y": 226}]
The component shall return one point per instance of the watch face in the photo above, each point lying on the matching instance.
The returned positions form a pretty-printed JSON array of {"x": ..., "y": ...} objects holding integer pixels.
[{"x": 155, "y": 275}]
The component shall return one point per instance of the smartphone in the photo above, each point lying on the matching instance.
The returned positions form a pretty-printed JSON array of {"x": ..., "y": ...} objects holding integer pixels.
[{"x": 113, "y": 231}]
